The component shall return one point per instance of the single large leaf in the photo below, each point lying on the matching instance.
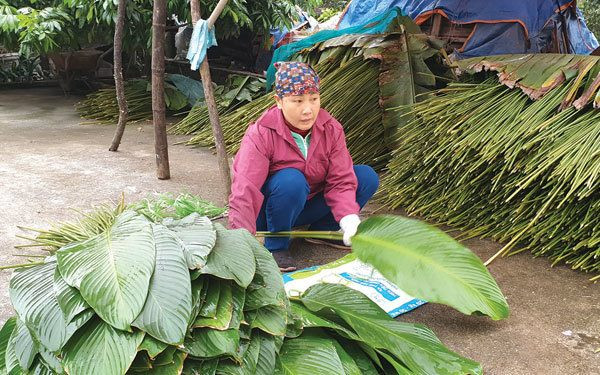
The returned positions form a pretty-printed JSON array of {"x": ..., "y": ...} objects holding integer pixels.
[
  {"x": 25, "y": 347},
  {"x": 413, "y": 344},
  {"x": 428, "y": 264},
  {"x": 112, "y": 270},
  {"x": 232, "y": 257},
  {"x": 5, "y": 334},
  {"x": 69, "y": 299},
  {"x": 169, "y": 303},
  {"x": 197, "y": 236},
  {"x": 210, "y": 343},
  {"x": 100, "y": 349},
  {"x": 32, "y": 295},
  {"x": 308, "y": 355}
]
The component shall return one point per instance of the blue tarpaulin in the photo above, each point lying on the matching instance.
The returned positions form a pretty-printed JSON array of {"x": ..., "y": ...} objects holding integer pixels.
[{"x": 511, "y": 26}]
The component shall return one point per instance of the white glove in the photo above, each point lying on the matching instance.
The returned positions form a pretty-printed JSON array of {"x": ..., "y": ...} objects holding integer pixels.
[{"x": 349, "y": 225}]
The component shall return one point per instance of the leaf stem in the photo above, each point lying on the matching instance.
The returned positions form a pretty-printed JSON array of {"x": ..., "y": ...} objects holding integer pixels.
[{"x": 327, "y": 235}]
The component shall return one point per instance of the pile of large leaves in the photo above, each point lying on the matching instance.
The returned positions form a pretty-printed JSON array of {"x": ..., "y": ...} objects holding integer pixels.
[
  {"x": 102, "y": 107},
  {"x": 186, "y": 296},
  {"x": 518, "y": 165}
]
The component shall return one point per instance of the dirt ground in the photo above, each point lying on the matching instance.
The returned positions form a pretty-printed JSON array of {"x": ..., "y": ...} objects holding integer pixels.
[{"x": 50, "y": 164}]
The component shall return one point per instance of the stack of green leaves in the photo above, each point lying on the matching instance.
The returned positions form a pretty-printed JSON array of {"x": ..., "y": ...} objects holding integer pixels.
[
  {"x": 186, "y": 296},
  {"x": 488, "y": 160},
  {"x": 102, "y": 107}
]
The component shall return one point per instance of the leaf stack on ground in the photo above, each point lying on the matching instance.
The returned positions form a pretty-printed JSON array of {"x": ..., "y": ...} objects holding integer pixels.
[
  {"x": 165, "y": 294},
  {"x": 491, "y": 161}
]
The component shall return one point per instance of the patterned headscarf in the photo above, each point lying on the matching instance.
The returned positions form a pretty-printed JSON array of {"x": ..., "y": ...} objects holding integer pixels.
[{"x": 295, "y": 78}]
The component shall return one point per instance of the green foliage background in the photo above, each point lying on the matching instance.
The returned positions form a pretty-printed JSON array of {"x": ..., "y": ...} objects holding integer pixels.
[
  {"x": 41, "y": 26},
  {"x": 591, "y": 12}
]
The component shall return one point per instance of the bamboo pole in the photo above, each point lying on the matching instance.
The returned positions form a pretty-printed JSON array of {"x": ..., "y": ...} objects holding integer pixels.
[
  {"x": 158, "y": 90},
  {"x": 209, "y": 97},
  {"x": 118, "y": 72}
]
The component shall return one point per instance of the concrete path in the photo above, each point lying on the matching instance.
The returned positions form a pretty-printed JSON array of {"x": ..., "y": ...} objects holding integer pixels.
[{"x": 50, "y": 164}]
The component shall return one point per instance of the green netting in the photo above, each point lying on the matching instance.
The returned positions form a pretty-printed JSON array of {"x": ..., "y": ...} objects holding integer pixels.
[{"x": 376, "y": 25}]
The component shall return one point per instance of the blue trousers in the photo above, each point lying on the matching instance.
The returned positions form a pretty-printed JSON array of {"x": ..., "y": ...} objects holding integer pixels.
[{"x": 286, "y": 204}]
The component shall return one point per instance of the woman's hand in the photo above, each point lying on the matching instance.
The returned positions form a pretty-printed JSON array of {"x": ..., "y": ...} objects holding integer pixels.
[{"x": 349, "y": 225}]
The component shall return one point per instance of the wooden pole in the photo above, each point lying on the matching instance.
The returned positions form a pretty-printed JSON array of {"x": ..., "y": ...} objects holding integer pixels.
[
  {"x": 118, "y": 73},
  {"x": 209, "y": 97},
  {"x": 158, "y": 90}
]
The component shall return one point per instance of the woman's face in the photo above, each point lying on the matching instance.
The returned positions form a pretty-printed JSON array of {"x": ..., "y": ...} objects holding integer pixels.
[{"x": 300, "y": 110}]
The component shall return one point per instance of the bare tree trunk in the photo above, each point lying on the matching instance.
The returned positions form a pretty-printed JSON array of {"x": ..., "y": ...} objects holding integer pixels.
[
  {"x": 119, "y": 84},
  {"x": 158, "y": 90},
  {"x": 209, "y": 97}
]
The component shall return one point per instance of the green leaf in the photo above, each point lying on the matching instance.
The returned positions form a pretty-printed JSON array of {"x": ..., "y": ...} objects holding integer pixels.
[
  {"x": 398, "y": 366},
  {"x": 413, "y": 344},
  {"x": 210, "y": 343},
  {"x": 32, "y": 295},
  {"x": 199, "y": 290},
  {"x": 308, "y": 355},
  {"x": 428, "y": 264},
  {"x": 41, "y": 367},
  {"x": 50, "y": 361},
  {"x": 10, "y": 358},
  {"x": 195, "y": 367},
  {"x": 361, "y": 359},
  {"x": 308, "y": 319},
  {"x": 197, "y": 235},
  {"x": 267, "y": 286},
  {"x": 348, "y": 363},
  {"x": 271, "y": 319},
  {"x": 224, "y": 310},
  {"x": 169, "y": 303},
  {"x": 25, "y": 347},
  {"x": 238, "y": 295},
  {"x": 174, "y": 368},
  {"x": 249, "y": 361},
  {"x": 5, "y": 333},
  {"x": 152, "y": 346},
  {"x": 267, "y": 355},
  {"x": 191, "y": 88},
  {"x": 112, "y": 270},
  {"x": 78, "y": 322},
  {"x": 141, "y": 363},
  {"x": 69, "y": 299},
  {"x": 211, "y": 299},
  {"x": 175, "y": 100},
  {"x": 100, "y": 349},
  {"x": 232, "y": 257}
]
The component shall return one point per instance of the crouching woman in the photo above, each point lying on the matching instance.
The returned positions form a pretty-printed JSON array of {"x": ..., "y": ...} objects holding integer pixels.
[{"x": 294, "y": 169}]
